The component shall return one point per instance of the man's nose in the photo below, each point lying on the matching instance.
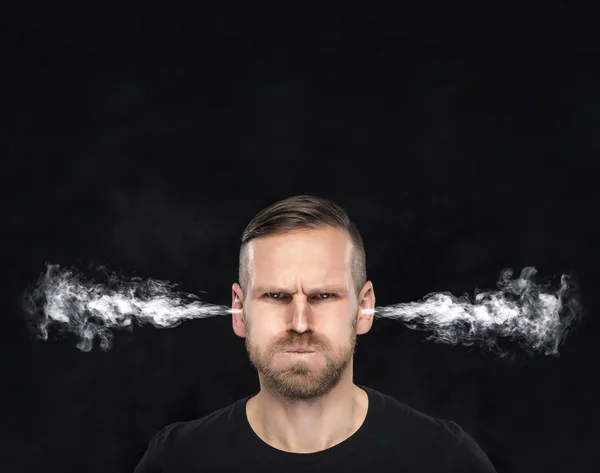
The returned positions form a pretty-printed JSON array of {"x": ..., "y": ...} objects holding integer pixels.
[{"x": 300, "y": 314}]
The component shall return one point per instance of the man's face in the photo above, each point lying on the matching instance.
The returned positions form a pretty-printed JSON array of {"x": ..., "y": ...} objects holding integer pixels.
[{"x": 301, "y": 295}]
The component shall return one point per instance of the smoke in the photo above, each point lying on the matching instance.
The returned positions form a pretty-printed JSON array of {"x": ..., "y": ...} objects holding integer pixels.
[
  {"x": 66, "y": 299},
  {"x": 536, "y": 316}
]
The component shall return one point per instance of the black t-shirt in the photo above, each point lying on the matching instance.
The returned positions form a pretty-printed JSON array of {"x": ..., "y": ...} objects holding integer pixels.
[{"x": 393, "y": 438}]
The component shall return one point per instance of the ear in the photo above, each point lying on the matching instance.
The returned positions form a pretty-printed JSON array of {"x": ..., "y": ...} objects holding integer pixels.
[
  {"x": 366, "y": 308},
  {"x": 237, "y": 306}
]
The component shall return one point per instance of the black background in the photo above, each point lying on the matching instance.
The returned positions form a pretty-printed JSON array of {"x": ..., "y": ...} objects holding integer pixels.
[{"x": 461, "y": 140}]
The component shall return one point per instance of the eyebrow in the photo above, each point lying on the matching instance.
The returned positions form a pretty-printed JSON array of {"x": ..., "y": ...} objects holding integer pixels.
[{"x": 322, "y": 289}]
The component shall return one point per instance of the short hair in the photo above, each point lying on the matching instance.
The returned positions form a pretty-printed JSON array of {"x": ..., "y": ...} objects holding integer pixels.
[{"x": 303, "y": 212}]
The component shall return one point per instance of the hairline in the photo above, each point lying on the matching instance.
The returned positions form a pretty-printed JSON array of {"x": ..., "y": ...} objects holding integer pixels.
[{"x": 244, "y": 259}]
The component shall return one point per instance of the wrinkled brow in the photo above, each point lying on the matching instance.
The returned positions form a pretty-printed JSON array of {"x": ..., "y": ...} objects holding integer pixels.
[{"x": 337, "y": 289}]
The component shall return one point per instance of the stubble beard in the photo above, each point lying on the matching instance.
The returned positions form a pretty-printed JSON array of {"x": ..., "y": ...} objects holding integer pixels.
[{"x": 298, "y": 382}]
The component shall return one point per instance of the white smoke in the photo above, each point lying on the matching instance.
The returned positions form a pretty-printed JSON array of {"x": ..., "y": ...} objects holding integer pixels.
[
  {"x": 531, "y": 314},
  {"x": 66, "y": 299}
]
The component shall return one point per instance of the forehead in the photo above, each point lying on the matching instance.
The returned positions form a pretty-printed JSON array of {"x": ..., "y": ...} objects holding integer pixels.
[{"x": 318, "y": 253}]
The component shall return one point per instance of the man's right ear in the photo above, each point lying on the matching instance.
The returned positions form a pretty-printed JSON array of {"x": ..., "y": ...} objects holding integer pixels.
[{"x": 237, "y": 308}]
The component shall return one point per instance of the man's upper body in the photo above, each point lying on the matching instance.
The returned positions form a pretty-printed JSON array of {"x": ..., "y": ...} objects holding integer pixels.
[
  {"x": 392, "y": 438},
  {"x": 302, "y": 299}
]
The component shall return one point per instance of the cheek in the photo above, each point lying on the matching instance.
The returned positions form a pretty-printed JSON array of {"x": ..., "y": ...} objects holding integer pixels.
[
  {"x": 337, "y": 323},
  {"x": 263, "y": 337}
]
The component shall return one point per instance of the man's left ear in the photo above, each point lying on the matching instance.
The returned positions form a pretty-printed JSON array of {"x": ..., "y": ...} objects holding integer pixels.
[{"x": 366, "y": 309}]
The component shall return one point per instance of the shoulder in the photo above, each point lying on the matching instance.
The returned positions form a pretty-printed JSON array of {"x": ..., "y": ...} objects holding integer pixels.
[
  {"x": 433, "y": 435},
  {"x": 210, "y": 424},
  {"x": 398, "y": 415},
  {"x": 182, "y": 442},
  {"x": 179, "y": 441},
  {"x": 177, "y": 435}
]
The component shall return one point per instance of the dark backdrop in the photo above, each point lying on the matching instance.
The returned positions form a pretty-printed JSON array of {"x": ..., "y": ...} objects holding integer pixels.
[{"x": 144, "y": 137}]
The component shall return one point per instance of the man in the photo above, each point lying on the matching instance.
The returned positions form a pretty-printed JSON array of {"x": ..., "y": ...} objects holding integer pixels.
[{"x": 302, "y": 299}]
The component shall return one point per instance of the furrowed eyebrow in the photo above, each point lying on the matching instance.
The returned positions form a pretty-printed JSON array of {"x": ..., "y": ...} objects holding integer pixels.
[{"x": 277, "y": 290}]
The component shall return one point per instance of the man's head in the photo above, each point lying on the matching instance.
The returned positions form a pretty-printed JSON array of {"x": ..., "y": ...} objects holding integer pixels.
[{"x": 302, "y": 285}]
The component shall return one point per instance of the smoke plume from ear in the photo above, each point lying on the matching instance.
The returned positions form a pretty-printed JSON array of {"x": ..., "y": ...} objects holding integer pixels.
[
  {"x": 536, "y": 316},
  {"x": 67, "y": 300}
]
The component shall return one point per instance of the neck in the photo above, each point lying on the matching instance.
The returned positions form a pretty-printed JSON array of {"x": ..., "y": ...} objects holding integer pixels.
[{"x": 308, "y": 426}]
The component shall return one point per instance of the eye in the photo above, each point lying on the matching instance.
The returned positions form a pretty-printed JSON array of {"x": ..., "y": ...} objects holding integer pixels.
[{"x": 280, "y": 296}]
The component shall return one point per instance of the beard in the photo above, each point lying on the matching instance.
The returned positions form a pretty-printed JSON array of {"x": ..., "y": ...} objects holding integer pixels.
[{"x": 297, "y": 380}]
